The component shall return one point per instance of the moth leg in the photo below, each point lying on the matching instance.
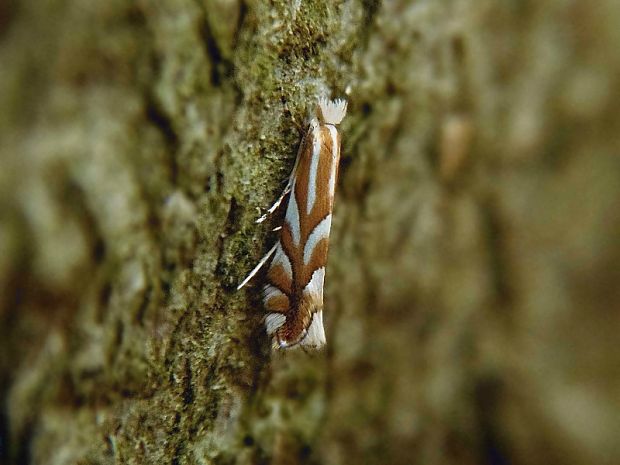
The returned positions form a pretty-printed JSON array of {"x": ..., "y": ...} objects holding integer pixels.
[
  {"x": 258, "y": 267},
  {"x": 289, "y": 183},
  {"x": 277, "y": 203},
  {"x": 285, "y": 192}
]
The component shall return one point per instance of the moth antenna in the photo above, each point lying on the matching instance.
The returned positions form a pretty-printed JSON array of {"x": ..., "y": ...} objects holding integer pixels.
[{"x": 258, "y": 267}]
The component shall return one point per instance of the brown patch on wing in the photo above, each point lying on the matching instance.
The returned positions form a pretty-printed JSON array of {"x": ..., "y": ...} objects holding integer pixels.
[
  {"x": 302, "y": 176},
  {"x": 292, "y": 252},
  {"x": 286, "y": 241},
  {"x": 278, "y": 304},
  {"x": 338, "y": 141},
  {"x": 278, "y": 276},
  {"x": 324, "y": 201},
  {"x": 318, "y": 259}
]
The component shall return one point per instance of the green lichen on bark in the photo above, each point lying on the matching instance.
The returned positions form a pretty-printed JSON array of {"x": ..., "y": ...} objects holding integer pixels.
[{"x": 472, "y": 282}]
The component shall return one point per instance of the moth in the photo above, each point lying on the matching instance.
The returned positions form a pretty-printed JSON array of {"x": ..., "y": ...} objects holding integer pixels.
[{"x": 293, "y": 293}]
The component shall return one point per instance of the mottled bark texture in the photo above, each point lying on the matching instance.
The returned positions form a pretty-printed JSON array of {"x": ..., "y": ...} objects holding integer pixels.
[{"x": 472, "y": 298}]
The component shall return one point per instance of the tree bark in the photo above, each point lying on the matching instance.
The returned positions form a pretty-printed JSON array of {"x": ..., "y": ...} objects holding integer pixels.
[{"x": 472, "y": 296}]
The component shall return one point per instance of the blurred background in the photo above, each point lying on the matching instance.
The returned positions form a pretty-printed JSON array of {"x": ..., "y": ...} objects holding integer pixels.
[{"x": 472, "y": 298}]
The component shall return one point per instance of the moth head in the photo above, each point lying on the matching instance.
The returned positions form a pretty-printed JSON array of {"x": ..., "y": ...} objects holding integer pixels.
[{"x": 332, "y": 111}]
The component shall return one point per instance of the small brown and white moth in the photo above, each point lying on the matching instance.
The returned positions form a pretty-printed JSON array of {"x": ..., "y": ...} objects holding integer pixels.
[{"x": 293, "y": 294}]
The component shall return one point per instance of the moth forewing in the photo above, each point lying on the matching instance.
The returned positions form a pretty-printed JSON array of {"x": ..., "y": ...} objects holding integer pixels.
[{"x": 293, "y": 294}]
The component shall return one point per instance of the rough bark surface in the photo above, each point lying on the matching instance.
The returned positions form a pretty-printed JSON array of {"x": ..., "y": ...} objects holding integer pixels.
[{"x": 472, "y": 295}]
